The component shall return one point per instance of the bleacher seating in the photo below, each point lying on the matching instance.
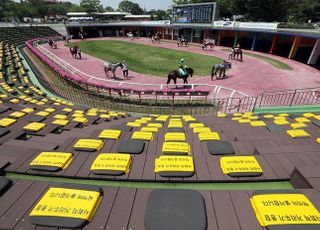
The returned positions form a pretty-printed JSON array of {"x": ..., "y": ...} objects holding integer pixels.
[
  {"x": 48, "y": 136},
  {"x": 18, "y": 35}
]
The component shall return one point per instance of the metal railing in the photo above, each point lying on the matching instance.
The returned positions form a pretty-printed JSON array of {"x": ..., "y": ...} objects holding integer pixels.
[{"x": 296, "y": 97}]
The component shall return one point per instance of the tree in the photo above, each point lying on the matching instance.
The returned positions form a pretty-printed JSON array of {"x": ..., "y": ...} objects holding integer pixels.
[
  {"x": 130, "y": 7},
  {"x": 109, "y": 9},
  {"x": 161, "y": 15},
  {"x": 91, "y": 6}
]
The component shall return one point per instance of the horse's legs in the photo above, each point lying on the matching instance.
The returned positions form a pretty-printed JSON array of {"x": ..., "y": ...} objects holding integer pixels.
[
  {"x": 169, "y": 80},
  {"x": 175, "y": 82},
  {"x": 212, "y": 73}
]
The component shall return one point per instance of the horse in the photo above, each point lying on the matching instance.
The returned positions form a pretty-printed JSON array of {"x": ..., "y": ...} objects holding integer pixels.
[
  {"x": 73, "y": 52},
  {"x": 67, "y": 38},
  {"x": 222, "y": 67},
  {"x": 130, "y": 35},
  {"x": 207, "y": 43},
  {"x": 236, "y": 53},
  {"x": 182, "y": 41},
  {"x": 112, "y": 67},
  {"x": 157, "y": 38},
  {"x": 176, "y": 74},
  {"x": 52, "y": 44}
]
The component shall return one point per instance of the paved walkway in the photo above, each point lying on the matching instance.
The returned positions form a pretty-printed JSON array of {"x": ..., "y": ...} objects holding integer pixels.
[{"x": 253, "y": 76}]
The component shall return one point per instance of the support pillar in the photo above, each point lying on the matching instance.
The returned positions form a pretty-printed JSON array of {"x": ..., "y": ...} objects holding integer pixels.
[
  {"x": 254, "y": 41},
  {"x": 191, "y": 37},
  {"x": 236, "y": 39},
  {"x": 315, "y": 53},
  {"x": 274, "y": 44},
  {"x": 219, "y": 37},
  {"x": 294, "y": 48},
  {"x": 172, "y": 32}
]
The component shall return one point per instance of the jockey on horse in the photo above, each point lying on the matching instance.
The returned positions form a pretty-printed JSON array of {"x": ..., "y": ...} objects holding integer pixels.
[{"x": 182, "y": 68}]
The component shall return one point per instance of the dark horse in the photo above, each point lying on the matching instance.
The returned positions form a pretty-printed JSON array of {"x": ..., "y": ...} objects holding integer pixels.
[
  {"x": 182, "y": 41},
  {"x": 174, "y": 75}
]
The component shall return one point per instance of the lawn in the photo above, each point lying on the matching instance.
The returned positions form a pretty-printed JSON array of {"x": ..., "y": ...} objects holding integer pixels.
[{"x": 147, "y": 59}]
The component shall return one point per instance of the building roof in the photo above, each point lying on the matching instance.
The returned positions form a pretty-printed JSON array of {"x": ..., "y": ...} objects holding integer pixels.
[{"x": 138, "y": 16}]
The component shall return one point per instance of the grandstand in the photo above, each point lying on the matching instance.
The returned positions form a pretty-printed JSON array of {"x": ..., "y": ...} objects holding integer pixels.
[{"x": 79, "y": 153}]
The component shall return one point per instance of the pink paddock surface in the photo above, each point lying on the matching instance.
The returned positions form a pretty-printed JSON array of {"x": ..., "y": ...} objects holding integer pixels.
[{"x": 253, "y": 76}]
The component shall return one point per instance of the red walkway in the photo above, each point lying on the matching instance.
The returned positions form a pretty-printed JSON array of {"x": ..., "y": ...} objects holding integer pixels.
[{"x": 251, "y": 77}]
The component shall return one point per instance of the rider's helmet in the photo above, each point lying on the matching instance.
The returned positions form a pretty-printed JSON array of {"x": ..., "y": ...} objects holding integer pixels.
[{"x": 182, "y": 60}]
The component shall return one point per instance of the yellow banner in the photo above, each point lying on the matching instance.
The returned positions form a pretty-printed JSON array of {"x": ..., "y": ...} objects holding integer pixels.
[
  {"x": 188, "y": 118},
  {"x": 5, "y": 122},
  {"x": 172, "y": 147},
  {"x": 133, "y": 124},
  {"x": 158, "y": 125},
  {"x": 112, "y": 161},
  {"x": 34, "y": 126},
  {"x": 209, "y": 136},
  {"x": 56, "y": 159},
  {"x": 284, "y": 209},
  {"x": 50, "y": 110},
  {"x": 308, "y": 115},
  {"x": 298, "y": 125},
  {"x": 297, "y": 133},
  {"x": 194, "y": 125},
  {"x": 281, "y": 122},
  {"x": 146, "y": 118},
  {"x": 61, "y": 117},
  {"x": 258, "y": 123},
  {"x": 69, "y": 203},
  {"x": 302, "y": 119},
  {"x": 237, "y": 114},
  {"x": 268, "y": 116},
  {"x": 27, "y": 110},
  {"x": 110, "y": 134},
  {"x": 42, "y": 114},
  {"x": 149, "y": 129},
  {"x": 89, "y": 143},
  {"x": 174, "y": 163},
  {"x": 162, "y": 118},
  {"x": 236, "y": 118},
  {"x": 60, "y": 122},
  {"x": 243, "y": 121},
  {"x": 17, "y": 114},
  {"x": 81, "y": 120},
  {"x": 174, "y": 136},
  {"x": 175, "y": 125},
  {"x": 201, "y": 130},
  {"x": 221, "y": 115},
  {"x": 148, "y": 136},
  {"x": 239, "y": 164}
]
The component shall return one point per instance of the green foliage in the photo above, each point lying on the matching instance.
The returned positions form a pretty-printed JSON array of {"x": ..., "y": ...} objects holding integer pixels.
[
  {"x": 131, "y": 7},
  {"x": 161, "y": 15},
  {"x": 91, "y": 6},
  {"x": 109, "y": 9},
  {"x": 33, "y": 8}
]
